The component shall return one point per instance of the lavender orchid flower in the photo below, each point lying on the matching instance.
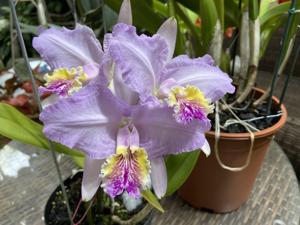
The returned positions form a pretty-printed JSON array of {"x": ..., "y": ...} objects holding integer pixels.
[
  {"x": 75, "y": 57},
  {"x": 127, "y": 137},
  {"x": 146, "y": 64}
]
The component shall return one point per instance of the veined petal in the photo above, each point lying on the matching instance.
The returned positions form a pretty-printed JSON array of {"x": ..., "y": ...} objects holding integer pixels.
[
  {"x": 169, "y": 31},
  {"x": 128, "y": 170},
  {"x": 122, "y": 90},
  {"x": 139, "y": 58},
  {"x": 159, "y": 177},
  {"x": 88, "y": 120},
  {"x": 160, "y": 134},
  {"x": 125, "y": 15},
  {"x": 91, "y": 178},
  {"x": 123, "y": 138},
  {"x": 61, "y": 47},
  {"x": 200, "y": 73},
  {"x": 189, "y": 103}
]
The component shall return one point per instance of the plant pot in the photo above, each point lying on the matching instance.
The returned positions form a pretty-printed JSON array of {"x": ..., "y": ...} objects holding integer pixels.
[
  {"x": 210, "y": 186},
  {"x": 56, "y": 213}
]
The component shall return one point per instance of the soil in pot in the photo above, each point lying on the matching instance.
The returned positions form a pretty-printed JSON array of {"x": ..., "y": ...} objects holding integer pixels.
[
  {"x": 255, "y": 116},
  {"x": 210, "y": 185},
  {"x": 99, "y": 214}
]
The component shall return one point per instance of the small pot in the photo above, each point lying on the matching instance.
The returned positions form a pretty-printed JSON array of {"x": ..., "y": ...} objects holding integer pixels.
[
  {"x": 58, "y": 215},
  {"x": 212, "y": 187}
]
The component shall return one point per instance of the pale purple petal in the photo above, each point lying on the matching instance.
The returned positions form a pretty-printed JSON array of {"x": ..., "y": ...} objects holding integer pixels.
[
  {"x": 159, "y": 177},
  {"x": 139, "y": 58},
  {"x": 125, "y": 15},
  {"x": 206, "y": 148},
  {"x": 201, "y": 73},
  {"x": 88, "y": 121},
  {"x": 123, "y": 138},
  {"x": 122, "y": 90},
  {"x": 160, "y": 134},
  {"x": 92, "y": 70},
  {"x": 91, "y": 178},
  {"x": 169, "y": 31},
  {"x": 134, "y": 137},
  {"x": 61, "y": 47}
]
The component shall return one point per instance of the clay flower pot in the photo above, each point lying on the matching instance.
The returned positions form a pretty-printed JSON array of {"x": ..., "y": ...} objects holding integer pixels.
[{"x": 212, "y": 187}]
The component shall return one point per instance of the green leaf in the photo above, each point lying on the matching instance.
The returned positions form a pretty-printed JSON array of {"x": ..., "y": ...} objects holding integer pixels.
[
  {"x": 179, "y": 167},
  {"x": 17, "y": 126},
  {"x": 253, "y": 9},
  {"x": 79, "y": 160},
  {"x": 209, "y": 17},
  {"x": 264, "y": 6},
  {"x": 220, "y": 9},
  {"x": 191, "y": 4},
  {"x": 151, "y": 198},
  {"x": 274, "y": 12},
  {"x": 232, "y": 14},
  {"x": 144, "y": 16},
  {"x": 160, "y": 7}
]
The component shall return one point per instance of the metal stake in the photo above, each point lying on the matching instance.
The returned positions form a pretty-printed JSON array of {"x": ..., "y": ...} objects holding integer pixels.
[{"x": 38, "y": 101}]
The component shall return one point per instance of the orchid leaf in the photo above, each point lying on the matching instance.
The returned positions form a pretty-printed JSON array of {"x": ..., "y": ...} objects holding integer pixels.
[
  {"x": 191, "y": 4},
  {"x": 143, "y": 15},
  {"x": 160, "y": 7},
  {"x": 179, "y": 167},
  {"x": 16, "y": 126},
  {"x": 232, "y": 14},
  {"x": 220, "y": 9},
  {"x": 188, "y": 17},
  {"x": 209, "y": 17},
  {"x": 274, "y": 12},
  {"x": 79, "y": 160},
  {"x": 253, "y": 9},
  {"x": 151, "y": 198}
]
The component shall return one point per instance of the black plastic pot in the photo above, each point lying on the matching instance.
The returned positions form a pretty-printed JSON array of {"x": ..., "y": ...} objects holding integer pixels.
[{"x": 56, "y": 213}]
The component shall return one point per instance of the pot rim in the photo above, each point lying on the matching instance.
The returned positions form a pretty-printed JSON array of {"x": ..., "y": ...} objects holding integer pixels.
[{"x": 258, "y": 134}]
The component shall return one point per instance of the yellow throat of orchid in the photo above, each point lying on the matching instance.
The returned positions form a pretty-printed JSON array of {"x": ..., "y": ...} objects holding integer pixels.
[
  {"x": 128, "y": 170},
  {"x": 72, "y": 78},
  {"x": 189, "y": 103}
]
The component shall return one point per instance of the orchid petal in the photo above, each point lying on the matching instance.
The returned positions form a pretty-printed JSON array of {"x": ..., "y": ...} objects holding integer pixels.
[
  {"x": 206, "y": 148},
  {"x": 123, "y": 91},
  {"x": 139, "y": 58},
  {"x": 61, "y": 47},
  {"x": 134, "y": 137},
  {"x": 92, "y": 70},
  {"x": 91, "y": 178},
  {"x": 200, "y": 73},
  {"x": 160, "y": 134},
  {"x": 88, "y": 121},
  {"x": 123, "y": 138},
  {"x": 125, "y": 14},
  {"x": 159, "y": 177},
  {"x": 169, "y": 31}
]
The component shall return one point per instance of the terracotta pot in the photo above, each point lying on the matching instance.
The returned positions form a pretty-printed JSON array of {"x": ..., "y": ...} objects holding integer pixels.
[{"x": 212, "y": 187}]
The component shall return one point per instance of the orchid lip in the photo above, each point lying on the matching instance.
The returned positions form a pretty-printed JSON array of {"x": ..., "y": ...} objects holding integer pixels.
[
  {"x": 126, "y": 171},
  {"x": 64, "y": 81},
  {"x": 189, "y": 103}
]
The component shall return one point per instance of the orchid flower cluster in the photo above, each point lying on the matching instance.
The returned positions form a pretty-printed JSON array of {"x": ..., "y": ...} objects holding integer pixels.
[{"x": 128, "y": 104}]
